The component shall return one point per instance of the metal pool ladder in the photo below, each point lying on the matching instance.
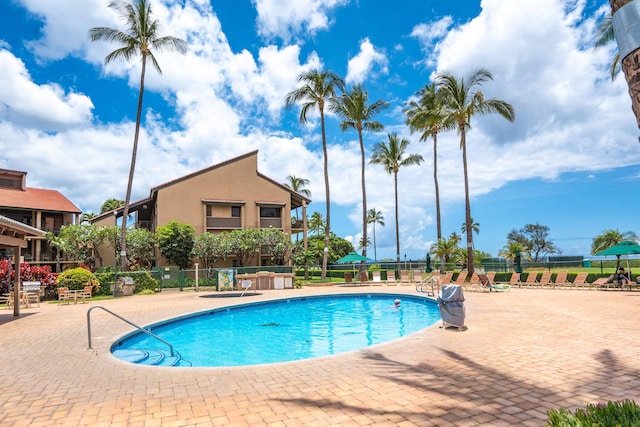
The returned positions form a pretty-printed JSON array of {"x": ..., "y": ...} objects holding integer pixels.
[
  {"x": 433, "y": 281},
  {"x": 124, "y": 320}
]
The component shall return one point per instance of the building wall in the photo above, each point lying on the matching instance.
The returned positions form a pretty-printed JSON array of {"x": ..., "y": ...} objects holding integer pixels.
[{"x": 236, "y": 181}]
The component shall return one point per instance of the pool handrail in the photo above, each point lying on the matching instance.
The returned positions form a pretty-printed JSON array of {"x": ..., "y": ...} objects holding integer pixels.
[{"x": 125, "y": 320}]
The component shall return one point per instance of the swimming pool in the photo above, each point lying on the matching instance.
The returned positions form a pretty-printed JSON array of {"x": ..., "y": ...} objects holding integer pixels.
[{"x": 278, "y": 331}]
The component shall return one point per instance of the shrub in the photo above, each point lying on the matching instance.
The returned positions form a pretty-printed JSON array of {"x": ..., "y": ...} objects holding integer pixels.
[
  {"x": 625, "y": 413},
  {"x": 144, "y": 281},
  {"x": 77, "y": 278}
]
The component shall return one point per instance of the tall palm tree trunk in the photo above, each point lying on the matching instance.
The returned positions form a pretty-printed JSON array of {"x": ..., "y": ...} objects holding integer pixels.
[
  {"x": 395, "y": 185},
  {"x": 327, "y": 230},
  {"x": 124, "y": 265},
  {"x": 437, "y": 189},
  {"x": 467, "y": 208},
  {"x": 375, "y": 250},
  {"x": 364, "y": 204},
  {"x": 630, "y": 67}
]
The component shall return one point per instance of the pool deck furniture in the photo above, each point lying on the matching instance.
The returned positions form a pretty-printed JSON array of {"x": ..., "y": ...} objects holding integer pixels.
[
  {"x": 430, "y": 378},
  {"x": 461, "y": 279},
  {"x": 545, "y": 280},
  {"x": 580, "y": 281},
  {"x": 561, "y": 281},
  {"x": 391, "y": 278},
  {"x": 405, "y": 279},
  {"x": 532, "y": 279},
  {"x": 446, "y": 278}
]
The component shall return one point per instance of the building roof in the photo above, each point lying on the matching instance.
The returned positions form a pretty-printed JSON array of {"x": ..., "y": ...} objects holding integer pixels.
[
  {"x": 36, "y": 198},
  {"x": 298, "y": 197},
  {"x": 13, "y": 228}
]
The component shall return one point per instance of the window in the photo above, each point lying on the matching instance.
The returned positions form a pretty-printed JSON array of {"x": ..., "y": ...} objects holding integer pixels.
[
  {"x": 266, "y": 212},
  {"x": 208, "y": 210},
  {"x": 235, "y": 211}
]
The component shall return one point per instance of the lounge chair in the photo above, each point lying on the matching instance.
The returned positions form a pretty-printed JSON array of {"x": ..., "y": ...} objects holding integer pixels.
[
  {"x": 404, "y": 277},
  {"x": 391, "y": 278},
  {"x": 545, "y": 280},
  {"x": 377, "y": 281},
  {"x": 514, "y": 280},
  {"x": 446, "y": 278},
  {"x": 491, "y": 275},
  {"x": 486, "y": 283},
  {"x": 474, "y": 282},
  {"x": 531, "y": 279},
  {"x": 462, "y": 280},
  {"x": 416, "y": 275},
  {"x": 580, "y": 281},
  {"x": 561, "y": 279},
  {"x": 605, "y": 283}
]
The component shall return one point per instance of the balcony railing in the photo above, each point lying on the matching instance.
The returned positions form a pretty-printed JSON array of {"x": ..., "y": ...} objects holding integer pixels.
[
  {"x": 224, "y": 223},
  {"x": 270, "y": 222}
]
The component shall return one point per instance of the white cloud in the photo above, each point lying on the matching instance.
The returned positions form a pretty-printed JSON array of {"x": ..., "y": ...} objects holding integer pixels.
[
  {"x": 288, "y": 19},
  {"x": 45, "y": 106},
  {"x": 557, "y": 86},
  {"x": 428, "y": 33},
  {"x": 364, "y": 63}
]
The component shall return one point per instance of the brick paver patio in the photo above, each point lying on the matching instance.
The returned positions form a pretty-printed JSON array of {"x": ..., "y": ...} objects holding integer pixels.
[{"x": 525, "y": 352}]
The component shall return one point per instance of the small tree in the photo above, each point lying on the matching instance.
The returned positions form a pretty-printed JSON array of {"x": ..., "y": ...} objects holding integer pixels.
[
  {"x": 244, "y": 244},
  {"x": 175, "y": 241},
  {"x": 208, "y": 248},
  {"x": 535, "y": 239},
  {"x": 278, "y": 244},
  {"x": 141, "y": 243}
]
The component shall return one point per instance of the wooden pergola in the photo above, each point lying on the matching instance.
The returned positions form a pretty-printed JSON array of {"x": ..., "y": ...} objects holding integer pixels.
[{"x": 15, "y": 235}]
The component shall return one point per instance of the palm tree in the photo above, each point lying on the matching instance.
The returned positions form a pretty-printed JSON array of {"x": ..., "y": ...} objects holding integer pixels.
[
  {"x": 392, "y": 157},
  {"x": 318, "y": 88},
  {"x": 463, "y": 99},
  {"x": 317, "y": 223},
  {"x": 447, "y": 249},
  {"x": 475, "y": 227},
  {"x": 604, "y": 37},
  {"x": 512, "y": 251},
  {"x": 428, "y": 115},
  {"x": 609, "y": 238},
  {"x": 299, "y": 186},
  {"x": 141, "y": 38},
  {"x": 629, "y": 62},
  {"x": 361, "y": 244},
  {"x": 375, "y": 217},
  {"x": 356, "y": 114}
]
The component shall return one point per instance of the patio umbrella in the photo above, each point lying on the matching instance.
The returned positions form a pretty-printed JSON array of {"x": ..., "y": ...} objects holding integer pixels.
[
  {"x": 518, "y": 262},
  {"x": 352, "y": 257},
  {"x": 428, "y": 262},
  {"x": 626, "y": 247}
]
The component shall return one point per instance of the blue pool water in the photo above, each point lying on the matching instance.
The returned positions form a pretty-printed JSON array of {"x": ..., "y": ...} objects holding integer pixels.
[{"x": 279, "y": 331}]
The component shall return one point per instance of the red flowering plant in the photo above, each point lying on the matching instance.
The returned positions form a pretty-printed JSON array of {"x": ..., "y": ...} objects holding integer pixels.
[
  {"x": 42, "y": 274},
  {"x": 5, "y": 280},
  {"x": 31, "y": 273}
]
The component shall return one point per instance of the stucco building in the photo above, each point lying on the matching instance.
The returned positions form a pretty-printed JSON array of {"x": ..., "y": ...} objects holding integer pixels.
[
  {"x": 42, "y": 209},
  {"x": 222, "y": 197}
]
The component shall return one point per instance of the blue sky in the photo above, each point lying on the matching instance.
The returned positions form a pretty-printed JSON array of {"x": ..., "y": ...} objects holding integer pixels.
[{"x": 570, "y": 161}]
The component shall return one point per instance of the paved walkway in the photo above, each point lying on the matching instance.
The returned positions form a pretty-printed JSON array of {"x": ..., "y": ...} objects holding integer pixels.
[{"x": 525, "y": 352}]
